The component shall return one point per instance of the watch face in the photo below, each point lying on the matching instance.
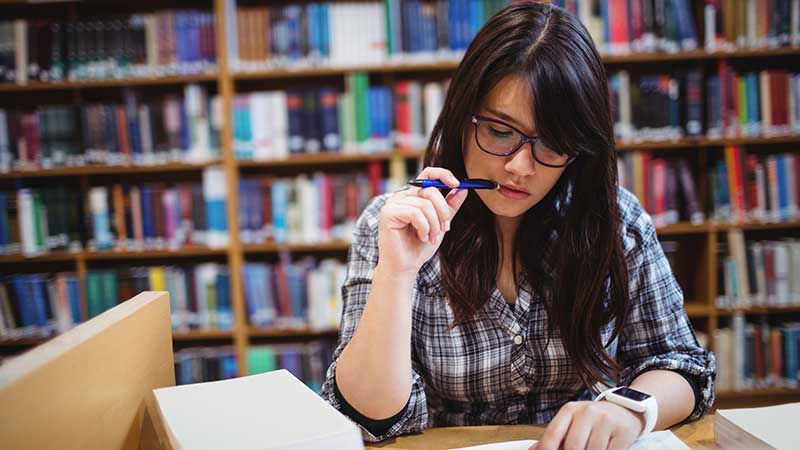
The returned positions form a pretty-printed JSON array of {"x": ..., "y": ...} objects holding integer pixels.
[{"x": 632, "y": 394}]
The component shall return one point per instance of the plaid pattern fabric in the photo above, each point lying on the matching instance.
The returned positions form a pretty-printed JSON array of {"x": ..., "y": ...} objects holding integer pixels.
[{"x": 499, "y": 368}]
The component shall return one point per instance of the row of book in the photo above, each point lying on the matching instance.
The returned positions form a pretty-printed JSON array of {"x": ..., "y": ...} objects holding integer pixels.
[
  {"x": 754, "y": 354},
  {"x": 625, "y": 26},
  {"x": 362, "y": 119},
  {"x": 731, "y": 24},
  {"x": 40, "y": 305},
  {"x": 308, "y": 362},
  {"x": 149, "y": 216},
  {"x": 750, "y": 187},
  {"x": 670, "y": 106},
  {"x": 752, "y": 103},
  {"x": 201, "y": 364},
  {"x": 175, "y": 128},
  {"x": 140, "y": 45},
  {"x": 351, "y": 33},
  {"x": 297, "y": 294},
  {"x": 311, "y": 209},
  {"x": 757, "y": 273},
  {"x": 665, "y": 187}
]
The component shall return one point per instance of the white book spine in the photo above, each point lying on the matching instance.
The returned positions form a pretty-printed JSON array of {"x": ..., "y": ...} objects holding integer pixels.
[
  {"x": 279, "y": 118},
  {"x": 434, "y": 98},
  {"x": 781, "y": 273},
  {"x": 795, "y": 22},
  {"x": 626, "y": 128},
  {"x": 789, "y": 161},
  {"x": 195, "y": 104},
  {"x": 146, "y": 135},
  {"x": 260, "y": 125},
  {"x": 21, "y": 47},
  {"x": 98, "y": 206},
  {"x": 710, "y": 17}
]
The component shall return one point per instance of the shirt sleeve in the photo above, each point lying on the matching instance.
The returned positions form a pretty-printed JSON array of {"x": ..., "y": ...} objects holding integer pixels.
[
  {"x": 657, "y": 333},
  {"x": 362, "y": 259}
]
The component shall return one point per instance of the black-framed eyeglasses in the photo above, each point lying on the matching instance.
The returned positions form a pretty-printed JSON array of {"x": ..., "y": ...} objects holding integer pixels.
[{"x": 499, "y": 138}]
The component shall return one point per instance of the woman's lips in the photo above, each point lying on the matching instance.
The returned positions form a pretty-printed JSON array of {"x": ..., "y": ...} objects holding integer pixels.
[{"x": 513, "y": 193}]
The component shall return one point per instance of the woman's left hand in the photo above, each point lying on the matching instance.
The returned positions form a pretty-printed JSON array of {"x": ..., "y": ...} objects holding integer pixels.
[{"x": 591, "y": 425}]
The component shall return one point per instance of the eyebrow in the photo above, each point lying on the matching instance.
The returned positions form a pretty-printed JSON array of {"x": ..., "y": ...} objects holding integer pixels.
[{"x": 508, "y": 118}]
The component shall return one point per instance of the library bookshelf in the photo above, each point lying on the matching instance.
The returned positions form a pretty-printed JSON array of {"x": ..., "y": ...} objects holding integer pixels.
[{"x": 703, "y": 237}]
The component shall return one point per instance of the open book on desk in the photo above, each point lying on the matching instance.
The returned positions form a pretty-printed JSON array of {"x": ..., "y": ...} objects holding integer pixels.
[
  {"x": 273, "y": 410},
  {"x": 658, "y": 440}
]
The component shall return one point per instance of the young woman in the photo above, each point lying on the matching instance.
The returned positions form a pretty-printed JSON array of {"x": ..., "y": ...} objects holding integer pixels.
[{"x": 514, "y": 305}]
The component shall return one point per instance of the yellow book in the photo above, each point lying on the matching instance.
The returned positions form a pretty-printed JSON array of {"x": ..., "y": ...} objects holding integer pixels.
[{"x": 156, "y": 276}]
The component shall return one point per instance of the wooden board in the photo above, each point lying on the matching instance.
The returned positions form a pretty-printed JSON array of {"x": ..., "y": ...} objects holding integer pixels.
[{"x": 86, "y": 389}]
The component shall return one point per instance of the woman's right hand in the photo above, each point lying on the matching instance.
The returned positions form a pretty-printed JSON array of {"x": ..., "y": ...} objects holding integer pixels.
[{"x": 412, "y": 223}]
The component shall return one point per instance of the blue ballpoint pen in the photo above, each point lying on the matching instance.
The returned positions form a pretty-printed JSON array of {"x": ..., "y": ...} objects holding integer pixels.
[{"x": 471, "y": 183}]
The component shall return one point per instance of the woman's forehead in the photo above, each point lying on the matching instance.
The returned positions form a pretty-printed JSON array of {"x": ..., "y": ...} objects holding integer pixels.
[{"x": 510, "y": 100}]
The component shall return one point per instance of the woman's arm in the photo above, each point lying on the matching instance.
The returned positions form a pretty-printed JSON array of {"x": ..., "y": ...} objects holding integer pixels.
[{"x": 673, "y": 393}]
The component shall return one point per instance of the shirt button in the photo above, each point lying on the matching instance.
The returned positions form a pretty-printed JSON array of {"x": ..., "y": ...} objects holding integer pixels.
[{"x": 518, "y": 339}]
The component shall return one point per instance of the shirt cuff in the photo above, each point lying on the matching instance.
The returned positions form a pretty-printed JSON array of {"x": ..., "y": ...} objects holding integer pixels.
[{"x": 376, "y": 427}]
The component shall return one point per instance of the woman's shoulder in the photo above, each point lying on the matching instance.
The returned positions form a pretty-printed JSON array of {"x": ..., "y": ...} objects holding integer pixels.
[{"x": 636, "y": 225}]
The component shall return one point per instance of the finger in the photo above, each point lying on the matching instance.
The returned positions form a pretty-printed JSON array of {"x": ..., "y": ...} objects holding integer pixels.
[
  {"x": 554, "y": 434},
  {"x": 455, "y": 199},
  {"x": 439, "y": 173},
  {"x": 427, "y": 208},
  {"x": 410, "y": 215},
  {"x": 579, "y": 430},
  {"x": 442, "y": 208},
  {"x": 598, "y": 439}
]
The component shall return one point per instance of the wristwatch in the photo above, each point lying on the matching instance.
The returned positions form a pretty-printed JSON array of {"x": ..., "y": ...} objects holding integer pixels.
[{"x": 635, "y": 401}]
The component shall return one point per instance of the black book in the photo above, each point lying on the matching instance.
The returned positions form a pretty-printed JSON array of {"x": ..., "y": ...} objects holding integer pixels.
[{"x": 311, "y": 127}]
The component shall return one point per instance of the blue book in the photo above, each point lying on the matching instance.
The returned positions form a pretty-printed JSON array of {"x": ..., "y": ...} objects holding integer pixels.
[
  {"x": 753, "y": 101},
  {"x": 74, "y": 293},
  {"x": 329, "y": 119},
  {"x": 182, "y": 37},
  {"x": 224, "y": 313},
  {"x": 714, "y": 111},
  {"x": 256, "y": 205},
  {"x": 194, "y": 41},
  {"x": 388, "y": 111},
  {"x": 249, "y": 291},
  {"x": 311, "y": 127},
  {"x": 312, "y": 29},
  {"x": 292, "y": 15},
  {"x": 132, "y": 115},
  {"x": 790, "y": 365},
  {"x": 148, "y": 227},
  {"x": 405, "y": 23},
  {"x": 42, "y": 305},
  {"x": 783, "y": 186},
  {"x": 296, "y": 284},
  {"x": 475, "y": 17},
  {"x": 294, "y": 104},
  {"x": 280, "y": 205},
  {"x": 686, "y": 29},
  {"x": 4, "y": 234},
  {"x": 324, "y": 29},
  {"x": 604, "y": 14},
  {"x": 26, "y": 314},
  {"x": 291, "y": 360},
  {"x": 244, "y": 225}
]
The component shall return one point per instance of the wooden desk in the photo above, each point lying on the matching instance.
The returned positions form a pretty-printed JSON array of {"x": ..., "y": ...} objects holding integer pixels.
[{"x": 697, "y": 435}]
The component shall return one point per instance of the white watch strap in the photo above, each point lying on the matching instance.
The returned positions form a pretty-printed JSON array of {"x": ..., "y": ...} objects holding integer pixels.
[{"x": 650, "y": 411}]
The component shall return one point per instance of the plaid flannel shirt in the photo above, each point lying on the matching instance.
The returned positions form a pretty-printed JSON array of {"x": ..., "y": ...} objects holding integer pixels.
[{"x": 497, "y": 368}]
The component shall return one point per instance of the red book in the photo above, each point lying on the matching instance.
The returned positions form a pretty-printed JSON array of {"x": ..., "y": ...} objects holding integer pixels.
[
  {"x": 759, "y": 353},
  {"x": 30, "y": 130},
  {"x": 776, "y": 345},
  {"x": 618, "y": 16},
  {"x": 797, "y": 180},
  {"x": 659, "y": 181},
  {"x": 122, "y": 131},
  {"x": 375, "y": 175},
  {"x": 636, "y": 21},
  {"x": 284, "y": 304},
  {"x": 780, "y": 100},
  {"x": 402, "y": 114},
  {"x": 739, "y": 179},
  {"x": 185, "y": 200},
  {"x": 351, "y": 200},
  {"x": 646, "y": 174}
]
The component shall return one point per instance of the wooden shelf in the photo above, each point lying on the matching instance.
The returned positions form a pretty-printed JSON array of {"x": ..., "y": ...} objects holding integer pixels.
[
  {"x": 701, "y": 142},
  {"x": 108, "y": 170},
  {"x": 273, "y": 247},
  {"x": 758, "y": 392},
  {"x": 48, "y": 257},
  {"x": 767, "y": 225},
  {"x": 330, "y": 158},
  {"x": 759, "y": 310},
  {"x": 188, "y": 252},
  {"x": 683, "y": 228},
  {"x": 696, "y": 309},
  {"x": 447, "y": 65},
  {"x": 114, "y": 82},
  {"x": 202, "y": 335},
  {"x": 291, "y": 332}
]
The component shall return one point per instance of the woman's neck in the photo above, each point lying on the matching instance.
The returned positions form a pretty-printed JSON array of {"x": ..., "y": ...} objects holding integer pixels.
[{"x": 506, "y": 230}]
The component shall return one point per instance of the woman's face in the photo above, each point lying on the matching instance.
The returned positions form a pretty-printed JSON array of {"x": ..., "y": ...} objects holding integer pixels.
[{"x": 523, "y": 181}]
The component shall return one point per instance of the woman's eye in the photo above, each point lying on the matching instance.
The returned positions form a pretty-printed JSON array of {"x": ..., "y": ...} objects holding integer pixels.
[{"x": 500, "y": 133}]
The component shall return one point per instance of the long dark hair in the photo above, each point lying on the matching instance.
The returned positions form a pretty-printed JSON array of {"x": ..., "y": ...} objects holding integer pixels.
[{"x": 568, "y": 244}]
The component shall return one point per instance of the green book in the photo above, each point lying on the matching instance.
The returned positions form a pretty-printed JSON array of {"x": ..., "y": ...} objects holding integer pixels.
[
  {"x": 347, "y": 121},
  {"x": 38, "y": 220},
  {"x": 362, "y": 109},
  {"x": 94, "y": 293},
  {"x": 211, "y": 300},
  {"x": 387, "y": 8},
  {"x": 742, "y": 86},
  {"x": 110, "y": 289},
  {"x": 260, "y": 359}
]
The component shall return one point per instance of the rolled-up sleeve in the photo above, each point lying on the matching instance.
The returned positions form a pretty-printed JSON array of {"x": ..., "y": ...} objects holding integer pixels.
[
  {"x": 657, "y": 333},
  {"x": 362, "y": 259}
]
